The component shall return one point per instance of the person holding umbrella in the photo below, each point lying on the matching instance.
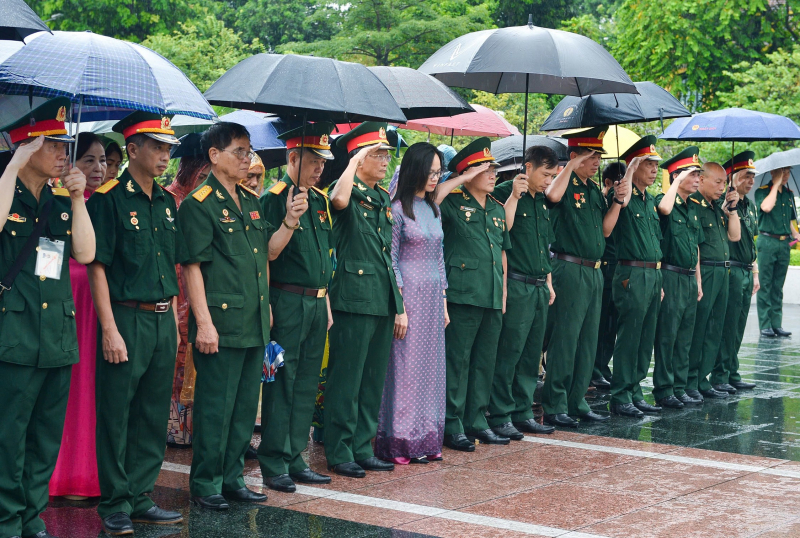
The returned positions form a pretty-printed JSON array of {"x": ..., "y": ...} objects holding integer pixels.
[
  {"x": 775, "y": 202},
  {"x": 743, "y": 279}
]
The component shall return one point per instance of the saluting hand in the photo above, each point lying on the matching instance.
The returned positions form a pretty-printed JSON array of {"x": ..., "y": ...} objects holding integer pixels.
[
  {"x": 520, "y": 185},
  {"x": 114, "y": 349},
  {"x": 683, "y": 175},
  {"x": 578, "y": 161},
  {"x": 474, "y": 171},
  {"x": 296, "y": 206},
  {"x": 23, "y": 153},
  {"x": 75, "y": 183},
  {"x": 365, "y": 152}
]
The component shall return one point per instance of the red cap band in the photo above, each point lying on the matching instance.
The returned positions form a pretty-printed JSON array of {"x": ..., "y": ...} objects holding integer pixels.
[
  {"x": 149, "y": 126},
  {"x": 741, "y": 165},
  {"x": 684, "y": 163},
  {"x": 315, "y": 142},
  {"x": 648, "y": 151},
  {"x": 585, "y": 142},
  {"x": 481, "y": 156},
  {"x": 366, "y": 140},
  {"x": 44, "y": 127}
]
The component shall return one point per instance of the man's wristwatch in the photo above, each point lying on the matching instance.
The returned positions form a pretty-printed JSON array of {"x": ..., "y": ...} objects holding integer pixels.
[
  {"x": 296, "y": 226},
  {"x": 620, "y": 202}
]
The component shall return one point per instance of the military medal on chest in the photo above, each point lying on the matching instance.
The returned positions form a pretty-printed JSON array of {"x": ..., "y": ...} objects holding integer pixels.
[
  {"x": 323, "y": 216},
  {"x": 579, "y": 199},
  {"x": 226, "y": 217},
  {"x": 134, "y": 220},
  {"x": 169, "y": 215}
]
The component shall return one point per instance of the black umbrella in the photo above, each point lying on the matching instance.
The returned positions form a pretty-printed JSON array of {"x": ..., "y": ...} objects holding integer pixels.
[
  {"x": 508, "y": 150},
  {"x": 189, "y": 147},
  {"x": 653, "y": 103},
  {"x": 420, "y": 95},
  {"x": 783, "y": 159},
  {"x": 19, "y": 21}
]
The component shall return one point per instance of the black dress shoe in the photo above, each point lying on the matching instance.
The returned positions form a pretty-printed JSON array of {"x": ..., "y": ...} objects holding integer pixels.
[
  {"x": 251, "y": 454},
  {"x": 768, "y": 332},
  {"x": 488, "y": 437},
  {"x": 244, "y": 495},
  {"x": 459, "y": 441},
  {"x": 601, "y": 383},
  {"x": 645, "y": 407},
  {"x": 307, "y": 476},
  {"x": 714, "y": 394},
  {"x": 423, "y": 460},
  {"x": 688, "y": 399},
  {"x": 780, "y": 332},
  {"x": 591, "y": 416},
  {"x": 508, "y": 430},
  {"x": 743, "y": 385},
  {"x": 40, "y": 534},
  {"x": 211, "y": 502},
  {"x": 561, "y": 419},
  {"x": 375, "y": 464},
  {"x": 725, "y": 387},
  {"x": 531, "y": 426},
  {"x": 670, "y": 402},
  {"x": 158, "y": 516},
  {"x": 694, "y": 394},
  {"x": 281, "y": 482},
  {"x": 351, "y": 469},
  {"x": 626, "y": 410},
  {"x": 118, "y": 524}
]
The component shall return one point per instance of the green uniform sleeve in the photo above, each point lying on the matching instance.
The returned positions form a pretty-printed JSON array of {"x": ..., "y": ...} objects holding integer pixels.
[
  {"x": 181, "y": 253},
  {"x": 198, "y": 231},
  {"x": 506, "y": 238},
  {"x": 274, "y": 208},
  {"x": 447, "y": 209},
  {"x": 101, "y": 211}
]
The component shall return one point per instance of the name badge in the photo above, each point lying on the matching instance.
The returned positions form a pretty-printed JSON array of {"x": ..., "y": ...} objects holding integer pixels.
[{"x": 49, "y": 258}]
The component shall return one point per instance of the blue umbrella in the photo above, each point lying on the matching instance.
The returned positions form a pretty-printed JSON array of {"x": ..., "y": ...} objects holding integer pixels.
[{"x": 732, "y": 125}]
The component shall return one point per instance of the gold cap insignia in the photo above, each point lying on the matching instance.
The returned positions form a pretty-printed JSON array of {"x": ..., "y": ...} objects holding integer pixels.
[
  {"x": 165, "y": 123},
  {"x": 695, "y": 158},
  {"x": 750, "y": 162},
  {"x": 323, "y": 140},
  {"x": 62, "y": 114},
  {"x": 382, "y": 133},
  {"x": 601, "y": 135},
  {"x": 652, "y": 148},
  {"x": 487, "y": 152}
]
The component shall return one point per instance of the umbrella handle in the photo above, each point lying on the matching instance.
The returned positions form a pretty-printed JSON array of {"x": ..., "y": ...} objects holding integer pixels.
[{"x": 77, "y": 132}]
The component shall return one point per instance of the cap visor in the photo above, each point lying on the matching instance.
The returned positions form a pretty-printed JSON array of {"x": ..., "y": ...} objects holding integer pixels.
[
  {"x": 509, "y": 167},
  {"x": 324, "y": 153},
  {"x": 60, "y": 138},
  {"x": 653, "y": 158},
  {"x": 385, "y": 146},
  {"x": 168, "y": 139}
]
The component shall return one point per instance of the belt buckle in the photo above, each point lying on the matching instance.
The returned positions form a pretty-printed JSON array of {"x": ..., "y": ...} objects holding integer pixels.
[
  {"x": 321, "y": 293},
  {"x": 658, "y": 265},
  {"x": 162, "y": 307},
  {"x": 597, "y": 264},
  {"x": 727, "y": 264},
  {"x": 783, "y": 238}
]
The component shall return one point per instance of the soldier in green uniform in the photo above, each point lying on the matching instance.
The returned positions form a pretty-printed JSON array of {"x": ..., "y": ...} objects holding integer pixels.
[
  {"x": 636, "y": 286},
  {"x": 134, "y": 287},
  {"x": 530, "y": 292},
  {"x": 300, "y": 272},
  {"x": 38, "y": 339},
  {"x": 227, "y": 242},
  {"x": 681, "y": 280},
  {"x": 366, "y": 303},
  {"x": 743, "y": 280},
  {"x": 573, "y": 321},
  {"x": 776, "y": 211},
  {"x": 475, "y": 240},
  {"x": 720, "y": 225}
]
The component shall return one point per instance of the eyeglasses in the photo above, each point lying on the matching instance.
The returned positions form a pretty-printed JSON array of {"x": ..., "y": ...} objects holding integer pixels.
[
  {"x": 241, "y": 154},
  {"x": 436, "y": 174},
  {"x": 385, "y": 158}
]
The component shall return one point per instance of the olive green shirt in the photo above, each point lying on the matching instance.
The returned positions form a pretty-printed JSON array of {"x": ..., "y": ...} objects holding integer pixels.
[
  {"x": 306, "y": 260},
  {"x": 232, "y": 248},
  {"x": 578, "y": 220},
  {"x": 681, "y": 232},
  {"x": 637, "y": 234},
  {"x": 777, "y": 221},
  {"x": 37, "y": 315},
  {"x": 714, "y": 247},
  {"x": 137, "y": 240},
  {"x": 474, "y": 241},
  {"x": 364, "y": 282},
  {"x": 744, "y": 250},
  {"x": 531, "y": 234},
  {"x": 610, "y": 252}
]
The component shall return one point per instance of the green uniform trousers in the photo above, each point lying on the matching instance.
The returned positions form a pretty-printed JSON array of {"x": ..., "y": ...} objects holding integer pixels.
[
  {"x": 34, "y": 403},
  {"x": 607, "y": 335},
  {"x": 133, "y": 409},
  {"x": 517, "y": 366},
  {"x": 572, "y": 325},
  {"x": 708, "y": 326},
  {"x": 674, "y": 334},
  {"x": 637, "y": 296},
  {"x": 773, "y": 264},
  {"x": 225, "y": 410},
  {"x": 740, "y": 292},
  {"x": 470, "y": 341},
  {"x": 359, "y": 354},
  {"x": 287, "y": 404}
]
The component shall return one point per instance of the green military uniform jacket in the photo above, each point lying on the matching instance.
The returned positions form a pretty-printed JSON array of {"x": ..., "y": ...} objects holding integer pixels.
[
  {"x": 578, "y": 220},
  {"x": 637, "y": 234},
  {"x": 306, "y": 259},
  {"x": 137, "y": 240},
  {"x": 682, "y": 233},
  {"x": 232, "y": 248},
  {"x": 37, "y": 315},
  {"x": 744, "y": 250},
  {"x": 777, "y": 221},
  {"x": 714, "y": 246},
  {"x": 610, "y": 252},
  {"x": 364, "y": 282},
  {"x": 474, "y": 241},
  {"x": 532, "y": 230}
]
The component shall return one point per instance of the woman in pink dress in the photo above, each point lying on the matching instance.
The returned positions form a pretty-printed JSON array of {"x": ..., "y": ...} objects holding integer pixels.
[{"x": 75, "y": 475}]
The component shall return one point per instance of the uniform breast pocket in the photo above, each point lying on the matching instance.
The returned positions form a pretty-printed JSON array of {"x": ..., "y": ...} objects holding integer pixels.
[
  {"x": 227, "y": 312},
  {"x": 69, "y": 336},
  {"x": 367, "y": 220},
  {"x": 359, "y": 279},
  {"x": 11, "y": 319},
  {"x": 135, "y": 238},
  {"x": 522, "y": 224},
  {"x": 60, "y": 225},
  {"x": 461, "y": 272},
  {"x": 469, "y": 227},
  {"x": 16, "y": 230},
  {"x": 231, "y": 238},
  {"x": 259, "y": 235},
  {"x": 169, "y": 237}
]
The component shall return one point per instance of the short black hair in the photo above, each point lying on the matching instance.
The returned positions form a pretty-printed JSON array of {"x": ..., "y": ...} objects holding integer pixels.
[
  {"x": 138, "y": 139},
  {"x": 220, "y": 135},
  {"x": 540, "y": 156},
  {"x": 614, "y": 171}
]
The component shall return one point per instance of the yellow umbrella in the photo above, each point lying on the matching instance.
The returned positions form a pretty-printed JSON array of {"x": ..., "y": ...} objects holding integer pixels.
[{"x": 615, "y": 133}]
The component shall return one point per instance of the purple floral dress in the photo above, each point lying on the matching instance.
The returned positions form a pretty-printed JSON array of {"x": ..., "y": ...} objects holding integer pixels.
[{"x": 411, "y": 420}]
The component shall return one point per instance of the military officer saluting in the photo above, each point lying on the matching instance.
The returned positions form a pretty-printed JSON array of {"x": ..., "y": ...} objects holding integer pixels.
[
  {"x": 225, "y": 268},
  {"x": 39, "y": 227},
  {"x": 134, "y": 288},
  {"x": 743, "y": 279},
  {"x": 681, "y": 280},
  {"x": 300, "y": 271},
  {"x": 366, "y": 303}
]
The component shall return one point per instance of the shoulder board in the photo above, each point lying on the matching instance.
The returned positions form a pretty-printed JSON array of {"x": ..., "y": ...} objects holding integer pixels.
[
  {"x": 381, "y": 187},
  {"x": 168, "y": 191},
  {"x": 203, "y": 193},
  {"x": 59, "y": 191},
  {"x": 457, "y": 190},
  {"x": 496, "y": 200},
  {"x": 694, "y": 200},
  {"x": 765, "y": 186},
  {"x": 278, "y": 187},
  {"x": 248, "y": 189},
  {"x": 107, "y": 186},
  {"x": 319, "y": 191}
]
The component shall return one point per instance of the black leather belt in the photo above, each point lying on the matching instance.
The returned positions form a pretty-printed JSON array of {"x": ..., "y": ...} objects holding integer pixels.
[
  {"x": 775, "y": 236},
  {"x": 319, "y": 293},
  {"x": 681, "y": 270},
  {"x": 580, "y": 261},
  {"x": 536, "y": 281},
  {"x": 716, "y": 264},
  {"x": 745, "y": 266},
  {"x": 159, "y": 307},
  {"x": 637, "y": 263}
]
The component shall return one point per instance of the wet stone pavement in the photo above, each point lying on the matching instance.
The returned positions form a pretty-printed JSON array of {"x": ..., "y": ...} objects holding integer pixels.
[{"x": 730, "y": 468}]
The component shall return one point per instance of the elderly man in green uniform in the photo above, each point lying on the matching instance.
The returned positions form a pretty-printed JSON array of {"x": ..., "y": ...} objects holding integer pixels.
[
  {"x": 573, "y": 321},
  {"x": 300, "y": 272},
  {"x": 38, "y": 339},
  {"x": 681, "y": 280},
  {"x": 227, "y": 244},
  {"x": 636, "y": 286},
  {"x": 366, "y": 304},
  {"x": 776, "y": 211},
  {"x": 720, "y": 226},
  {"x": 530, "y": 292},
  {"x": 743, "y": 280},
  {"x": 134, "y": 287}
]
